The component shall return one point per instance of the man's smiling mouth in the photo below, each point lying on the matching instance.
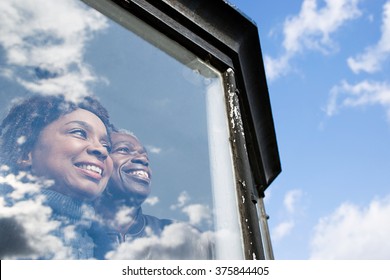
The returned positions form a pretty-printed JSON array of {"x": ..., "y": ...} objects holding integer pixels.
[{"x": 139, "y": 173}]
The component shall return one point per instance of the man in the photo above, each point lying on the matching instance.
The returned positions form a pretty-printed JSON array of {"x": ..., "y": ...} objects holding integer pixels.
[{"x": 127, "y": 233}]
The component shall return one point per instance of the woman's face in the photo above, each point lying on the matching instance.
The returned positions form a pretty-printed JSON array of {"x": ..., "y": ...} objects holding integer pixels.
[
  {"x": 73, "y": 151},
  {"x": 132, "y": 173}
]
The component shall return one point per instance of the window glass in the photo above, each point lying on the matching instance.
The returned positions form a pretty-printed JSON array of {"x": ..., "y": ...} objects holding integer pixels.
[{"x": 152, "y": 88}]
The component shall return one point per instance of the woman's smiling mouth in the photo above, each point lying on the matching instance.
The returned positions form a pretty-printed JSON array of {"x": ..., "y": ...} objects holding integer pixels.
[{"x": 90, "y": 170}]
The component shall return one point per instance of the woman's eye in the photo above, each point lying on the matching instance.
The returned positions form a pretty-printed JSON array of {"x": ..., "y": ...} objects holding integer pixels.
[
  {"x": 79, "y": 132},
  {"x": 107, "y": 147}
]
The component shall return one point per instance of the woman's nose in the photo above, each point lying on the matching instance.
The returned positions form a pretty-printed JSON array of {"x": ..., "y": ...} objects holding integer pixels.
[{"x": 98, "y": 150}]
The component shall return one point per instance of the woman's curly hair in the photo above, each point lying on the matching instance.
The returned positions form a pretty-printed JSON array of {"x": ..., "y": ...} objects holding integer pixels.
[{"x": 20, "y": 129}]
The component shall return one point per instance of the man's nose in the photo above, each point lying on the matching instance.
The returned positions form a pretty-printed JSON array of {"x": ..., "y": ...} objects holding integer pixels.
[{"x": 141, "y": 158}]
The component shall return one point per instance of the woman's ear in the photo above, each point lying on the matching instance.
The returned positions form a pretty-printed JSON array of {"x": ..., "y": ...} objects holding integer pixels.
[{"x": 25, "y": 162}]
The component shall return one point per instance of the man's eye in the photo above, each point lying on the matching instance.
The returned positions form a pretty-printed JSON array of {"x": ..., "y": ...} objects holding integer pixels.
[{"x": 122, "y": 150}]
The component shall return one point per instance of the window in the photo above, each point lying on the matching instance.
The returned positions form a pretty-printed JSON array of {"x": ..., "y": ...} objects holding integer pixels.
[{"x": 188, "y": 84}]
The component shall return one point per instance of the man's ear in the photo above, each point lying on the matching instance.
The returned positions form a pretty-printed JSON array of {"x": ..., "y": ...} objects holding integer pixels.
[{"x": 25, "y": 162}]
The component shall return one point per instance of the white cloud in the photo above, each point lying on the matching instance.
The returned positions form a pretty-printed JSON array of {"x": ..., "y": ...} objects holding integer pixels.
[
  {"x": 182, "y": 200},
  {"x": 276, "y": 67},
  {"x": 281, "y": 230},
  {"x": 26, "y": 225},
  {"x": 21, "y": 187},
  {"x": 123, "y": 216},
  {"x": 290, "y": 200},
  {"x": 374, "y": 56},
  {"x": 153, "y": 149},
  {"x": 358, "y": 95},
  {"x": 44, "y": 43},
  {"x": 311, "y": 29},
  {"x": 153, "y": 200},
  {"x": 198, "y": 214},
  {"x": 354, "y": 232},
  {"x": 177, "y": 241}
]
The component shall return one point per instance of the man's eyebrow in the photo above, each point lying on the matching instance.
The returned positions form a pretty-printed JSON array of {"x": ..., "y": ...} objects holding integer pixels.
[
  {"x": 130, "y": 144},
  {"x": 127, "y": 143}
]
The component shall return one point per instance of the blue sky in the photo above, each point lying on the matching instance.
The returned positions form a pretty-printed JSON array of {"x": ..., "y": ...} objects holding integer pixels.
[{"x": 327, "y": 65}]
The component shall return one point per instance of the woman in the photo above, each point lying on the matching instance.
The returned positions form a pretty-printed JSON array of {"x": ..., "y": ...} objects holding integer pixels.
[{"x": 52, "y": 138}]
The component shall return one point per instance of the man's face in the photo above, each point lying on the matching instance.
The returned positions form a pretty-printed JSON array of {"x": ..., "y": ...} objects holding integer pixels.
[{"x": 132, "y": 174}]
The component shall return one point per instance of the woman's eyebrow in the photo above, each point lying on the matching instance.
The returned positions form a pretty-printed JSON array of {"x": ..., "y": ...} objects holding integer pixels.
[
  {"x": 88, "y": 127},
  {"x": 82, "y": 123}
]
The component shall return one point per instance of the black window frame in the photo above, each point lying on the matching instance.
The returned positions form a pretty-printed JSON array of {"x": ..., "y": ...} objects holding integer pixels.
[{"x": 223, "y": 37}]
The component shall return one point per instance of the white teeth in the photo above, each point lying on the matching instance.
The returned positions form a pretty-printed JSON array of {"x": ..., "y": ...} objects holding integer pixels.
[
  {"x": 92, "y": 168},
  {"x": 140, "y": 173}
]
